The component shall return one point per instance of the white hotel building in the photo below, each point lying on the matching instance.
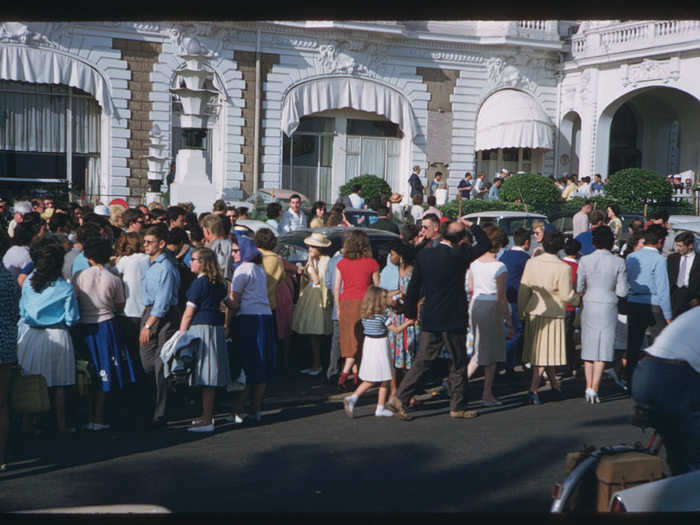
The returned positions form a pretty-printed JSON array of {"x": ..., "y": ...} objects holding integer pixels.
[{"x": 308, "y": 105}]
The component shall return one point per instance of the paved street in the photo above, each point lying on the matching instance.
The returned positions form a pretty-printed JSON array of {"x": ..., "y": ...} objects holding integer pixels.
[{"x": 307, "y": 456}]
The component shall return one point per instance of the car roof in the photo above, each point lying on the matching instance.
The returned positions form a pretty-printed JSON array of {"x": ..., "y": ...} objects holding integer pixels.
[
  {"x": 360, "y": 210},
  {"x": 505, "y": 214},
  {"x": 335, "y": 231},
  {"x": 282, "y": 193},
  {"x": 254, "y": 224}
]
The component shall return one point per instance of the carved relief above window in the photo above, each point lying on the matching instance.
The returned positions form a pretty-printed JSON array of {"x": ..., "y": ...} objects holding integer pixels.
[
  {"x": 347, "y": 57},
  {"x": 507, "y": 72},
  {"x": 649, "y": 70}
]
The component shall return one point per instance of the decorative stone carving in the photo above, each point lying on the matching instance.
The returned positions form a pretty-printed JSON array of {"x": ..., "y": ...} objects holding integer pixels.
[
  {"x": 445, "y": 56},
  {"x": 184, "y": 39},
  {"x": 352, "y": 58},
  {"x": 584, "y": 87},
  {"x": 14, "y": 32},
  {"x": 505, "y": 72},
  {"x": 649, "y": 70}
]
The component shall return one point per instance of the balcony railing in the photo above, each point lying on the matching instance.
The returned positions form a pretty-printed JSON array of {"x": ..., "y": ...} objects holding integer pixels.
[{"x": 631, "y": 36}]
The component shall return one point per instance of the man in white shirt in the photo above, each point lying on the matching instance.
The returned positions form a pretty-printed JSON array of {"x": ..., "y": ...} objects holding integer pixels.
[
  {"x": 355, "y": 200},
  {"x": 581, "y": 218},
  {"x": 479, "y": 189},
  {"x": 684, "y": 274},
  {"x": 293, "y": 219},
  {"x": 668, "y": 379}
]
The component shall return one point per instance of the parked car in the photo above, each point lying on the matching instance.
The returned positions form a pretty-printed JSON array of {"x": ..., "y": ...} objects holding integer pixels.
[
  {"x": 252, "y": 226},
  {"x": 360, "y": 216},
  {"x": 258, "y": 201},
  {"x": 508, "y": 220},
  {"x": 292, "y": 248}
]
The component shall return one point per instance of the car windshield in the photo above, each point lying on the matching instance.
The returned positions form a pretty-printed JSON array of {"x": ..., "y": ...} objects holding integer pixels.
[{"x": 509, "y": 225}]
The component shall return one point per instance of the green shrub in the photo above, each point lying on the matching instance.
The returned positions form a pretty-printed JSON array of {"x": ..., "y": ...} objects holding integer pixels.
[
  {"x": 531, "y": 189},
  {"x": 633, "y": 185},
  {"x": 451, "y": 209},
  {"x": 371, "y": 186}
]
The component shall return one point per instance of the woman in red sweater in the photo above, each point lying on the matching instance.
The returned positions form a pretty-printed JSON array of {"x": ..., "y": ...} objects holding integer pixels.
[{"x": 355, "y": 272}]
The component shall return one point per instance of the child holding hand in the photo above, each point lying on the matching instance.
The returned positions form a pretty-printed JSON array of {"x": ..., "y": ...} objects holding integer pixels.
[{"x": 377, "y": 362}]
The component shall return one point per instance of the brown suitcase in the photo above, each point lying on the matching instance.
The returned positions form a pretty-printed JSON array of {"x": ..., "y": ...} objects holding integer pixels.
[{"x": 625, "y": 470}]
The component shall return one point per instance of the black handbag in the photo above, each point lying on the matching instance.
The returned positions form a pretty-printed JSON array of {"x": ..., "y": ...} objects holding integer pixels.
[{"x": 622, "y": 305}]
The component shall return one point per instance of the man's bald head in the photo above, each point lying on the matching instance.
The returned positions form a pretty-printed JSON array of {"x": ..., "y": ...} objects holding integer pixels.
[{"x": 455, "y": 232}]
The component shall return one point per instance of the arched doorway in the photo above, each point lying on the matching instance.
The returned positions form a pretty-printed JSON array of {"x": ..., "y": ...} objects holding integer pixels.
[
  {"x": 338, "y": 127},
  {"x": 569, "y": 143},
  {"x": 625, "y": 138},
  {"x": 512, "y": 132},
  {"x": 655, "y": 128}
]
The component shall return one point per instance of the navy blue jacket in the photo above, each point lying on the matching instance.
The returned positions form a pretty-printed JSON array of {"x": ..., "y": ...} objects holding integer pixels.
[{"x": 515, "y": 261}]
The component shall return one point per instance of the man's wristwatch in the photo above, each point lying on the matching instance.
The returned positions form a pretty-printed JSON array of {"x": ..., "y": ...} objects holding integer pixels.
[{"x": 147, "y": 326}]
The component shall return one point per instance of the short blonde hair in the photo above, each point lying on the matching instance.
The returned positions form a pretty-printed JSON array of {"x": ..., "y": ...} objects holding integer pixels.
[
  {"x": 373, "y": 303},
  {"x": 214, "y": 223},
  {"x": 115, "y": 213},
  {"x": 537, "y": 224},
  {"x": 155, "y": 205}
]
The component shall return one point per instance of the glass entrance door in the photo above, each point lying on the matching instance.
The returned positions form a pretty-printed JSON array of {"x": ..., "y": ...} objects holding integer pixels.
[{"x": 307, "y": 162}]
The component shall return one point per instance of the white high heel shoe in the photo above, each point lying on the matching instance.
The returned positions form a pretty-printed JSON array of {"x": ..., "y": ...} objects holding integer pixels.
[{"x": 590, "y": 393}]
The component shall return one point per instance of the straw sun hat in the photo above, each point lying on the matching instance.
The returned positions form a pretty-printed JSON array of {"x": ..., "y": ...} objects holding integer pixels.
[{"x": 318, "y": 240}]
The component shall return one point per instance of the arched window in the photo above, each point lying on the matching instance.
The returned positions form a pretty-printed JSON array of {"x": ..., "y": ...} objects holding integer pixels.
[{"x": 49, "y": 133}]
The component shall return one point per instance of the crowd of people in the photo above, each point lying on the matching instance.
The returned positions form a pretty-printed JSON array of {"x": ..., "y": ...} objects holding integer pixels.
[{"x": 142, "y": 293}]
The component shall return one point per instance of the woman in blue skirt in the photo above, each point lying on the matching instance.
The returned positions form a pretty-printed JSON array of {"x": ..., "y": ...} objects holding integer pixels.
[
  {"x": 100, "y": 297},
  {"x": 253, "y": 328}
]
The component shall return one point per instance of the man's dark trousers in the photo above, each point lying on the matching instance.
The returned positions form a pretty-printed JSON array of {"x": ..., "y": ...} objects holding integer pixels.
[
  {"x": 162, "y": 330},
  {"x": 429, "y": 344},
  {"x": 642, "y": 319}
]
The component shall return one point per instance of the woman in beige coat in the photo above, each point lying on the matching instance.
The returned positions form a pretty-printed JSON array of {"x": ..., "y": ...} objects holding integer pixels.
[{"x": 545, "y": 288}]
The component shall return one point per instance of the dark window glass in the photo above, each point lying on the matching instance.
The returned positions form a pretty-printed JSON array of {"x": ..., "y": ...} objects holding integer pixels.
[
  {"x": 20, "y": 164},
  {"x": 489, "y": 154},
  {"x": 527, "y": 154},
  {"x": 316, "y": 125},
  {"x": 510, "y": 154},
  {"x": 373, "y": 128}
]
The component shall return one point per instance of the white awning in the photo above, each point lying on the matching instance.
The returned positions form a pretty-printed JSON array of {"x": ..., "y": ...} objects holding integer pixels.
[
  {"x": 345, "y": 92},
  {"x": 512, "y": 119},
  {"x": 44, "y": 66}
]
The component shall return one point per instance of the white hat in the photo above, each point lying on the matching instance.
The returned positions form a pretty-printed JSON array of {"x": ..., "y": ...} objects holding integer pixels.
[
  {"x": 318, "y": 240},
  {"x": 101, "y": 209},
  {"x": 22, "y": 207}
]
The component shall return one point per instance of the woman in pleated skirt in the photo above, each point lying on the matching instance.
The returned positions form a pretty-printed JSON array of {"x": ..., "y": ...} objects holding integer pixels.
[
  {"x": 204, "y": 319},
  {"x": 48, "y": 307},
  {"x": 101, "y": 297}
]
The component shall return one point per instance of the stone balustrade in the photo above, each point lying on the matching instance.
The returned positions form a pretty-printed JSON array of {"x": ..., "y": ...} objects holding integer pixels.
[{"x": 632, "y": 36}]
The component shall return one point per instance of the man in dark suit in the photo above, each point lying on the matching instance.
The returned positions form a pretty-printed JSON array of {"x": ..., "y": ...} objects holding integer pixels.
[
  {"x": 438, "y": 275},
  {"x": 684, "y": 275}
]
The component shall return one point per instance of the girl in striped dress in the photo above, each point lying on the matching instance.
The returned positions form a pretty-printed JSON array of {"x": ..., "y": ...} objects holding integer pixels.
[{"x": 377, "y": 362}]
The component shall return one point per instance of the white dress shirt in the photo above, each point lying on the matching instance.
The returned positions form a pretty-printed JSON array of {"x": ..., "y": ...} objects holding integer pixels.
[
  {"x": 292, "y": 221},
  {"x": 679, "y": 339},
  {"x": 685, "y": 278}
]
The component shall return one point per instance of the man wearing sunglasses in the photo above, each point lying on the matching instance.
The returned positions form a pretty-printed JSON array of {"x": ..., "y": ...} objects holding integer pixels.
[
  {"x": 161, "y": 317},
  {"x": 430, "y": 231},
  {"x": 133, "y": 220}
]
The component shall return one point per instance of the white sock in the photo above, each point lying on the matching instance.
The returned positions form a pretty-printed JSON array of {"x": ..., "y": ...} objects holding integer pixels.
[
  {"x": 383, "y": 412},
  {"x": 353, "y": 399}
]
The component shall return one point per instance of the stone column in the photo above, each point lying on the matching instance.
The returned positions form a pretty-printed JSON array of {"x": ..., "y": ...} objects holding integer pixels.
[{"x": 589, "y": 122}]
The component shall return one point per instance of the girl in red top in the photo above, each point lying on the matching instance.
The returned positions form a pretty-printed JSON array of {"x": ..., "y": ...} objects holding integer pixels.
[
  {"x": 355, "y": 272},
  {"x": 571, "y": 249}
]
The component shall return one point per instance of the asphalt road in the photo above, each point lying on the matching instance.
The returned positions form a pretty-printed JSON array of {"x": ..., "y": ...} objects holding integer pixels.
[{"x": 308, "y": 456}]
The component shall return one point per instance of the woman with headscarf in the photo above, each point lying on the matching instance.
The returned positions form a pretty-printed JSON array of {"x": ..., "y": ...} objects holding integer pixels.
[{"x": 252, "y": 328}]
